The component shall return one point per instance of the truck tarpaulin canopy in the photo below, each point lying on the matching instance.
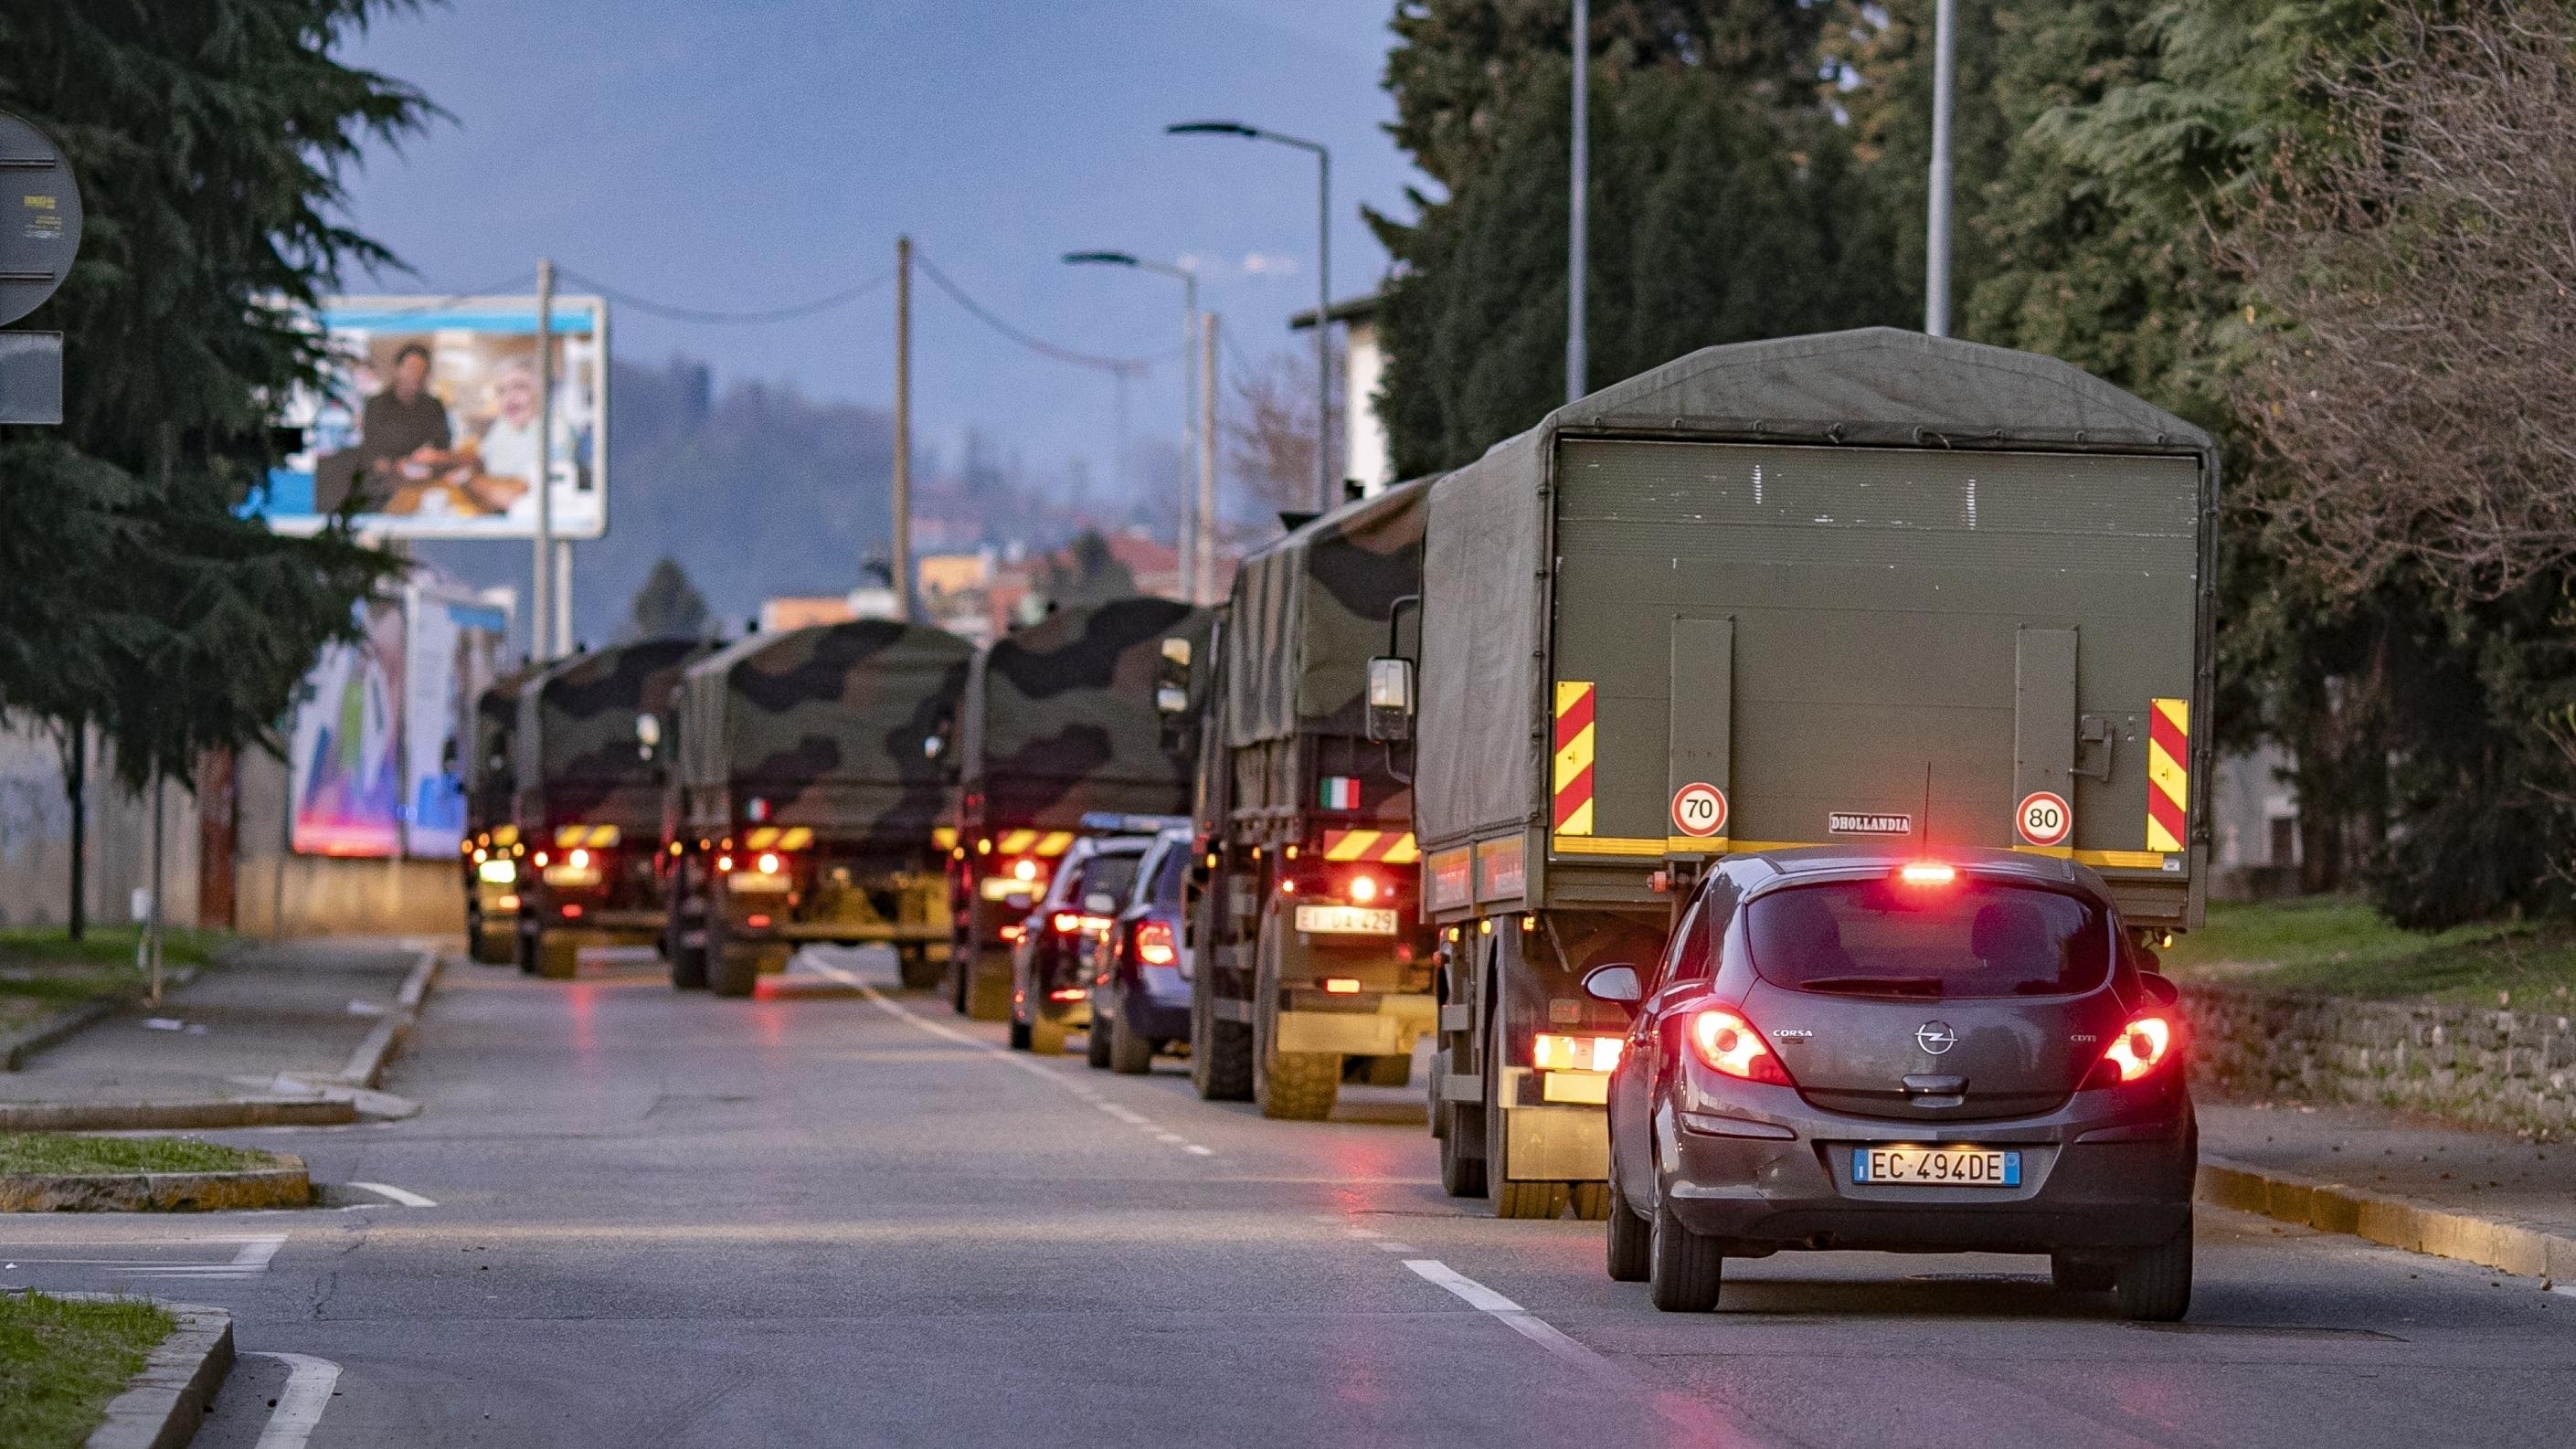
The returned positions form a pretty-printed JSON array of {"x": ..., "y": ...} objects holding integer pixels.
[
  {"x": 578, "y": 757},
  {"x": 1310, "y": 611},
  {"x": 1484, "y": 742},
  {"x": 1059, "y": 718},
  {"x": 827, "y": 726}
]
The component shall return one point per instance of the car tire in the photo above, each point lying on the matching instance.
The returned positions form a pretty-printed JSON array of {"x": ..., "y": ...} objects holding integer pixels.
[
  {"x": 1131, "y": 1052},
  {"x": 688, "y": 969},
  {"x": 1096, "y": 1043},
  {"x": 1684, "y": 1271},
  {"x": 1631, "y": 1239},
  {"x": 1046, "y": 1036},
  {"x": 2155, "y": 1286},
  {"x": 916, "y": 970},
  {"x": 1286, "y": 1086},
  {"x": 2078, "y": 1275},
  {"x": 1525, "y": 1199}
]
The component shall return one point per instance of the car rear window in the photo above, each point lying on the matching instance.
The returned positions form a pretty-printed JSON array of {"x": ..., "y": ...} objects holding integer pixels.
[
  {"x": 1171, "y": 874},
  {"x": 1969, "y": 938},
  {"x": 1112, "y": 874}
]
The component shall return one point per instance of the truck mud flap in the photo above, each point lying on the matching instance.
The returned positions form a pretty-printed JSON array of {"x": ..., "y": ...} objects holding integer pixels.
[
  {"x": 1557, "y": 1144},
  {"x": 1347, "y": 1033}
]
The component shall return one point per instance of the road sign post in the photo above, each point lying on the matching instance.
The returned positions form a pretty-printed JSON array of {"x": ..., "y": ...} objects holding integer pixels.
[{"x": 40, "y": 233}]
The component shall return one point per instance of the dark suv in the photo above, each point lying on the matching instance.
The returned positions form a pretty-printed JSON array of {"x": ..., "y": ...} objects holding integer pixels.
[
  {"x": 1140, "y": 976},
  {"x": 1051, "y": 952},
  {"x": 1848, "y": 1048}
]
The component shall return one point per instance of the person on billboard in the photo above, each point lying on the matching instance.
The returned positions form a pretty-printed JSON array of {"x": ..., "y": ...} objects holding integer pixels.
[
  {"x": 402, "y": 438},
  {"x": 508, "y": 447}
]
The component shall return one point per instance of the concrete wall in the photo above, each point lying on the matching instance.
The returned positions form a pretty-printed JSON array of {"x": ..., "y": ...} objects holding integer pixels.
[
  {"x": 281, "y": 894},
  {"x": 35, "y": 837},
  {"x": 2485, "y": 1066}
]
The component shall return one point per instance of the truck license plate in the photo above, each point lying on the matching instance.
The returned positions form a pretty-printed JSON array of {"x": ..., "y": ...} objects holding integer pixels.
[
  {"x": 1937, "y": 1166},
  {"x": 1345, "y": 921}
]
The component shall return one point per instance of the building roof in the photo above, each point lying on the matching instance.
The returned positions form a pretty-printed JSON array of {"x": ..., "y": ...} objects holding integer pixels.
[{"x": 1349, "y": 309}]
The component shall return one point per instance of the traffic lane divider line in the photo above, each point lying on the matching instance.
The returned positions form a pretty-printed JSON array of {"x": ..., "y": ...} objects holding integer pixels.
[
  {"x": 401, "y": 1196},
  {"x": 309, "y": 1382},
  {"x": 1031, "y": 1065}
]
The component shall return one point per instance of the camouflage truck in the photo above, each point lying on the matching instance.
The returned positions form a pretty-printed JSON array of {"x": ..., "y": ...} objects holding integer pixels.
[
  {"x": 588, "y": 770},
  {"x": 492, "y": 853},
  {"x": 808, "y": 800},
  {"x": 1866, "y": 586},
  {"x": 1309, "y": 956},
  {"x": 1061, "y": 720}
]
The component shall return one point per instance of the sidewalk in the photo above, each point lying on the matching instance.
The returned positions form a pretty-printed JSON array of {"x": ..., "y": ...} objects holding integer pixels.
[
  {"x": 288, "y": 1033},
  {"x": 2409, "y": 1182}
]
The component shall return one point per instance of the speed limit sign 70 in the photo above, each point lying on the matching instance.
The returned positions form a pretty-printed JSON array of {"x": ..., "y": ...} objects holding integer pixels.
[
  {"x": 2044, "y": 818},
  {"x": 1699, "y": 810}
]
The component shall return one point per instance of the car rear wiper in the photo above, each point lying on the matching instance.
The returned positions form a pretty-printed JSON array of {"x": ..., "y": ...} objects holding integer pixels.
[{"x": 1879, "y": 985}]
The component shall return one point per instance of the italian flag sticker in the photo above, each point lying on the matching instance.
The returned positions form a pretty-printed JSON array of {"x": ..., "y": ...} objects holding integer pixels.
[{"x": 1341, "y": 792}]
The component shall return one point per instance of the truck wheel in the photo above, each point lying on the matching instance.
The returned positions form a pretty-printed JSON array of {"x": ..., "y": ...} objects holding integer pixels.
[
  {"x": 1631, "y": 1239},
  {"x": 2075, "y": 1275},
  {"x": 1684, "y": 1271},
  {"x": 688, "y": 967},
  {"x": 1543, "y": 1201},
  {"x": 1590, "y": 1200},
  {"x": 1131, "y": 1052},
  {"x": 1220, "y": 1051},
  {"x": 1387, "y": 1071},
  {"x": 1046, "y": 1036},
  {"x": 1019, "y": 1035},
  {"x": 2155, "y": 1286},
  {"x": 526, "y": 953},
  {"x": 1462, "y": 1150},
  {"x": 988, "y": 987},
  {"x": 914, "y": 966},
  {"x": 1095, "y": 1043},
  {"x": 1287, "y": 1086},
  {"x": 961, "y": 957},
  {"x": 733, "y": 971}
]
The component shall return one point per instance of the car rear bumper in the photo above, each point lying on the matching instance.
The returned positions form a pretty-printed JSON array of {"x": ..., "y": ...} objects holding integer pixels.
[{"x": 1763, "y": 1193}]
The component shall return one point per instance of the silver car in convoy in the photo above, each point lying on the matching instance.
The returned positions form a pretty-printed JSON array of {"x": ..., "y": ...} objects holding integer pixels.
[{"x": 1858, "y": 1048}]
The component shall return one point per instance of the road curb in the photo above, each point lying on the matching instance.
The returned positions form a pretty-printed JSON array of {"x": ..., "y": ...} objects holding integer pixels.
[
  {"x": 177, "y": 1116},
  {"x": 163, "y": 1405},
  {"x": 17, "y": 1048},
  {"x": 286, "y": 1184},
  {"x": 2397, "y": 1222},
  {"x": 366, "y": 1068}
]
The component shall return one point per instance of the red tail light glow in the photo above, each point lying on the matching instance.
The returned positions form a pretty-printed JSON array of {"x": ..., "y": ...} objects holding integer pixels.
[
  {"x": 1024, "y": 869},
  {"x": 1729, "y": 1043},
  {"x": 1012, "y": 933},
  {"x": 541, "y": 859},
  {"x": 1067, "y": 993},
  {"x": 724, "y": 863},
  {"x": 1067, "y": 922},
  {"x": 756, "y": 921},
  {"x": 2140, "y": 1048},
  {"x": 1364, "y": 888},
  {"x": 768, "y": 862},
  {"x": 1154, "y": 944},
  {"x": 572, "y": 912},
  {"x": 1927, "y": 873},
  {"x": 1287, "y": 886},
  {"x": 579, "y": 859}
]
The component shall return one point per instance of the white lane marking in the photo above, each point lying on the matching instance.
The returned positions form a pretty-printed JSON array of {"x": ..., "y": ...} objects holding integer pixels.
[
  {"x": 1477, "y": 1295},
  {"x": 1031, "y": 1065},
  {"x": 300, "y": 1404},
  {"x": 248, "y": 1261},
  {"x": 401, "y": 1195}
]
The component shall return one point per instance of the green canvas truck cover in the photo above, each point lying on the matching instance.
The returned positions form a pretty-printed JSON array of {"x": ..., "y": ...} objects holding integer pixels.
[
  {"x": 823, "y": 727},
  {"x": 488, "y": 789},
  {"x": 1059, "y": 718},
  {"x": 1308, "y": 613},
  {"x": 577, "y": 758},
  {"x": 1809, "y": 561}
]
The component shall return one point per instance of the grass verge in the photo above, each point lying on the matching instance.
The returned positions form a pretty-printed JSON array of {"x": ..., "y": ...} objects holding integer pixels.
[
  {"x": 64, "y": 1152},
  {"x": 2339, "y": 946},
  {"x": 61, "y": 1360},
  {"x": 43, "y": 972}
]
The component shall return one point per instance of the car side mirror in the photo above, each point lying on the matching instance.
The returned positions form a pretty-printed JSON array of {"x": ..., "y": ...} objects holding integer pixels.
[
  {"x": 1390, "y": 700},
  {"x": 2160, "y": 988},
  {"x": 1616, "y": 983}
]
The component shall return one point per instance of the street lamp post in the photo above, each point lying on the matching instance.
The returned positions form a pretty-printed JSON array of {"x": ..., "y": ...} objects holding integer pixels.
[
  {"x": 1189, "y": 406},
  {"x": 1936, "y": 250},
  {"x": 1324, "y": 490}
]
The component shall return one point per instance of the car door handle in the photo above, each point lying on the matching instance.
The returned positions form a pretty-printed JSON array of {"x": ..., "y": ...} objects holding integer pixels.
[{"x": 1932, "y": 1086}]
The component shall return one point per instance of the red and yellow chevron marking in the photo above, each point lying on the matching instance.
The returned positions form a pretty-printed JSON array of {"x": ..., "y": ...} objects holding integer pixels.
[
  {"x": 2168, "y": 773},
  {"x": 1573, "y": 772},
  {"x": 1033, "y": 842},
  {"x": 1391, "y": 847},
  {"x": 775, "y": 837},
  {"x": 568, "y": 836}
]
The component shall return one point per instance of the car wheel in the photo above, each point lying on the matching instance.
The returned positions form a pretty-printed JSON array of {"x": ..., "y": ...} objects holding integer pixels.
[
  {"x": 915, "y": 969},
  {"x": 1096, "y": 1041},
  {"x": 1287, "y": 1086},
  {"x": 1131, "y": 1052},
  {"x": 1524, "y": 1198},
  {"x": 2155, "y": 1286},
  {"x": 1046, "y": 1036},
  {"x": 2076, "y": 1275},
  {"x": 1684, "y": 1270},
  {"x": 1631, "y": 1238}
]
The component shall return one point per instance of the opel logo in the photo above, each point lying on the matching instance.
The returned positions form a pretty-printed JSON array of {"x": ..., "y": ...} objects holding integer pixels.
[{"x": 1935, "y": 1037}]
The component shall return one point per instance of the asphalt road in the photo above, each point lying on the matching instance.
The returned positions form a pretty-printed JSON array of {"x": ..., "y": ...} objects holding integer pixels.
[{"x": 847, "y": 1217}]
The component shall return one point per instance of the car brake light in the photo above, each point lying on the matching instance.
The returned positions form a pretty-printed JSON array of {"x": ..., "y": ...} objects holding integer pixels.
[
  {"x": 571, "y": 911},
  {"x": 1154, "y": 944},
  {"x": 1364, "y": 888},
  {"x": 1550, "y": 1052},
  {"x": 1012, "y": 933},
  {"x": 1067, "y": 993},
  {"x": 1287, "y": 886},
  {"x": 2141, "y": 1046},
  {"x": 1729, "y": 1043},
  {"x": 1067, "y": 922},
  {"x": 756, "y": 921},
  {"x": 1927, "y": 873}
]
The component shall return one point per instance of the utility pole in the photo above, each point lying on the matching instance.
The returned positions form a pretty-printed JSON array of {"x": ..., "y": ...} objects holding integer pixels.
[
  {"x": 1204, "y": 543},
  {"x": 1945, "y": 65},
  {"x": 1192, "y": 521},
  {"x": 541, "y": 616},
  {"x": 1326, "y": 493},
  {"x": 902, "y": 547},
  {"x": 1581, "y": 167}
]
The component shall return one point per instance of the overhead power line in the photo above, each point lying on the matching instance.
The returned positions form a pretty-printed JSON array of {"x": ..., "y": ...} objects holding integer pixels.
[
  {"x": 722, "y": 318},
  {"x": 1127, "y": 366}
]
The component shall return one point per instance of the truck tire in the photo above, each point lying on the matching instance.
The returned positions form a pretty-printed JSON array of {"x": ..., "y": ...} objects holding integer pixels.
[
  {"x": 688, "y": 967},
  {"x": 1631, "y": 1239},
  {"x": 1541, "y": 1201},
  {"x": 1046, "y": 1036},
  {"x": 1131, "y": 1052},
  {"x": 1286, "y": 1086},
  {"x": 961, "y": 955},
  {"x": 1386, "y": 1071},
  {"x": 1019, "y": 1035},
  {"x": 1590, "y": 1200},
  {"x": 1462, "y": 1150},
  {"x": 731, "y": 968},
  {"x": 1095, "y": 1042},
  {"x": 1220, "y": 1051},
  {"x": 1684, "y": 1271},
  {"x": 527, "y": 944},
  {"x": 2155, "y": 1286},
  {"x": 914, "y": 966}
]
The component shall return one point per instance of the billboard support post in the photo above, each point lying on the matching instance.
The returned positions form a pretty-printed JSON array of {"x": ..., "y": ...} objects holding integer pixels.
[
  {"x": 541, "y": 617},
  {"x": 1202, "y": 543},
  {"x": 902, "y": 546}
]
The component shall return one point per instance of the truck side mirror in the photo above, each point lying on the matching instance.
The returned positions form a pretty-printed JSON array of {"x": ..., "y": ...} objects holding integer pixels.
[
  {"x": 648, "y": 735},
  {"x": 1390, "y": 700},
  {"x": 1172, "y": 685}
]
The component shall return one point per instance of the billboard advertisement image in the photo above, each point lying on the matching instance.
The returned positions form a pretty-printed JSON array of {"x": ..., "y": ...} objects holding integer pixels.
[
  {"x": 343, "y": 767},
  {"x": 456, "y": 638},
  {"x": 428, "y": 421}
]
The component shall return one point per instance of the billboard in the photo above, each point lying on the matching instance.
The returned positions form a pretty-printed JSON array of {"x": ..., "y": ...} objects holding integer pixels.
[
  {"x": 375, "y": 747},
  {"x": 428, "y": 420}
]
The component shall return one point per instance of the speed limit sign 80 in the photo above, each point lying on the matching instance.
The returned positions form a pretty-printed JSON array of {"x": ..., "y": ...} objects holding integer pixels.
[{"x": 2044, "y": 818}]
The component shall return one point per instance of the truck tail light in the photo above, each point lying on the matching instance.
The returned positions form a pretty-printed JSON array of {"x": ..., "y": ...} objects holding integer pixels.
[
  {"x": 1024, "y": 869},
  {"x": 1012, "y": 932},
  {"x": 756, "y": 921},
  {"x": 2140, "y": 1048},
  {"x": 1342, "y": 985},
  {"x": 1154, "y": 944},
  {"x": 724, "y": 864},
  {"x": 1550, "y": 1052},
  {"x": 769, "y": 863},
  {"x": 1067, "y": 922},
  {"x": 1365, "y": 888},
  {"x": 1729, "y": 1043},
  {"x": 572, "y": 911},
  {"x": 1067, "y": 993},
  {"x": 579, "y": 859}
]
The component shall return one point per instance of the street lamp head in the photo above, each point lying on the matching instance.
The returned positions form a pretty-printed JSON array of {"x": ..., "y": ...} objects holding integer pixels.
[
  {"x": 1109, "y": 259},
  {"x": 1211, "y": 128}
]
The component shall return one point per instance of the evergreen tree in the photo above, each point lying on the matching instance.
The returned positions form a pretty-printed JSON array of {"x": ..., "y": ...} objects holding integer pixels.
[{"x": 667, "y": 605}]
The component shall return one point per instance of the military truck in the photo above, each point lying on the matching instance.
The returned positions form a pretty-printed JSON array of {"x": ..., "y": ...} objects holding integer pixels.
[
  {"x": 1866, "y": 586},
  {"x": 587, "y": 776},
  {"x": 1061, "y": 720},
  {"x": 807, "y": 800},
  {"x": 1310, "y": 959},
  {"x": 491, "y": 852}
]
